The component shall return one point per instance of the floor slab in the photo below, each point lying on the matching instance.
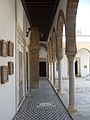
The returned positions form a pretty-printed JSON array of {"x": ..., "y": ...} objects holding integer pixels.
[{"x": 42, "y": 104}]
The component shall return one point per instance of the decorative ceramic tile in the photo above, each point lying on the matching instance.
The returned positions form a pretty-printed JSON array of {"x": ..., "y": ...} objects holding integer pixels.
[
  {"x": 34, "y": 51},
  {"x": 42, "y": 104}
]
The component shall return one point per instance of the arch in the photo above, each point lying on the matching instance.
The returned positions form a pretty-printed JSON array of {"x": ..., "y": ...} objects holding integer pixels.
[
  {"x": 43, "y": 45},
  {"x": 82, "y": 62},
  {"x": 84, "y": 49},
  {"x": 43, "y": 51},
  {"x": 60, "y": 23},
  {"x": 61, "y": 19},
  {"x": 70, "y": 27},
  {"x": 72, "y": 4},
  {"x": 71, "y": 10}
]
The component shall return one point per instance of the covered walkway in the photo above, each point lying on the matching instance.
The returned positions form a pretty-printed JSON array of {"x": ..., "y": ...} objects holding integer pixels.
[
  {"x": 42, "y": 104},
  {"x": 31, "y": 47}
]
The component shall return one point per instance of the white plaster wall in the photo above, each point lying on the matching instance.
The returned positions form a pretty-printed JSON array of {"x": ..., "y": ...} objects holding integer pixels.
[
  {"x": 7, "y": 32},
  {"x": 84, "y": 60},
  {"x": 42, "y": 52}
]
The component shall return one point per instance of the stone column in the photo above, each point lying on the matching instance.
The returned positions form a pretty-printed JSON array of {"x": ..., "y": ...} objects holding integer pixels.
[
  {"x": 59, "y": 59},
  {"x": 47, "y": 70},
  {"x": 89, "y": 65},
  {"x": 51, "y": 71},
  {"x": 71, "y": 83},
  {"x": 54, "y": 72},
  {"x": 59, "y": 77},
  {"x": 71, "y": 48},
  {"x": 51, "y": 67},
  {"x": 71, "y": 51}
]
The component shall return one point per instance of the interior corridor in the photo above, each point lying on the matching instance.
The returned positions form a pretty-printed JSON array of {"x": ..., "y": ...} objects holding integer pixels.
[
  {"x": 38, "y": 45},
  {"x": 42, "y": 104}
]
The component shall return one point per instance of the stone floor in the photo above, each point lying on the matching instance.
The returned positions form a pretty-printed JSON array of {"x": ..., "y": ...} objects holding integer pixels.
[
  {"x": 42, "y": 104},
  {"x": 82, "y": 97}
]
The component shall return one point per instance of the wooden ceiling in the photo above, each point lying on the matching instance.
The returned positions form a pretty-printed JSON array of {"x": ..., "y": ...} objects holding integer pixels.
[{"x": 41, "y": 14}]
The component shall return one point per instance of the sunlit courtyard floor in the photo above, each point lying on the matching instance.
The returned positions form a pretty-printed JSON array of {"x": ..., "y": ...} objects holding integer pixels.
[{"x": 82, "y": 96}]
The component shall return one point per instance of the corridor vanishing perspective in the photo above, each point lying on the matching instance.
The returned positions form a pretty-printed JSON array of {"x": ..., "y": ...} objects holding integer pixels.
[
  {"x": 39, "y": 51},
  {"x": 42, "y": 104}
]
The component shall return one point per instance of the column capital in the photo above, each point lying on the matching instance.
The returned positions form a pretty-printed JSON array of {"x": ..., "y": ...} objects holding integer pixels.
[
  {"x": 53, "y": 60},
  {"x": 59, "y": 57},
  {"x": 71, "y": 57}
]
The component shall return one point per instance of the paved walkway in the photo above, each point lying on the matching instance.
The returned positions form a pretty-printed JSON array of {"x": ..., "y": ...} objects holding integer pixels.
[
  {"x": 42, "y": 104},
  {"x": 82, "y": 97}
]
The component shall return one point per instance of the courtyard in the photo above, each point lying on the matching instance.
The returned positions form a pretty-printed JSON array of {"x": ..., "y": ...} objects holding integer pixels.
[{"x": 82, "y": 97}]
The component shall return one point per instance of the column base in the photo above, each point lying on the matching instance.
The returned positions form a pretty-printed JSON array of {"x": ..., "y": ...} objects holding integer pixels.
[
  {"x": 60, "y": 92},
  {"x": 51, "y": 81},
  {"x": 72, "y": 108},
  {"x": 54, "y": 81},
  {"x": 55, "y": 89}
]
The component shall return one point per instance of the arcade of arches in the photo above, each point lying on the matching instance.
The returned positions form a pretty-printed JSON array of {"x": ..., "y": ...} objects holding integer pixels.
[{"x": 34, "y": 59}]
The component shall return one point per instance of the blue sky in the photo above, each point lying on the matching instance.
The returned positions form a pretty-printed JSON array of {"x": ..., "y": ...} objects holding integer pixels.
[{"x": 87, "y": 2}]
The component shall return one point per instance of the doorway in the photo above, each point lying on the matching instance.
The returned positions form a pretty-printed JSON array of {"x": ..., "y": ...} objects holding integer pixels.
[
  {"x": 42, "y": 69},
  {"x": 77, "y": 67}
]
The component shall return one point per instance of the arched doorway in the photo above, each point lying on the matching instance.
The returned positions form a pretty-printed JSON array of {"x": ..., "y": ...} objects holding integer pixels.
[
  {"x": 43, "y": 71},
  {"x": 82, "y": 62}
]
